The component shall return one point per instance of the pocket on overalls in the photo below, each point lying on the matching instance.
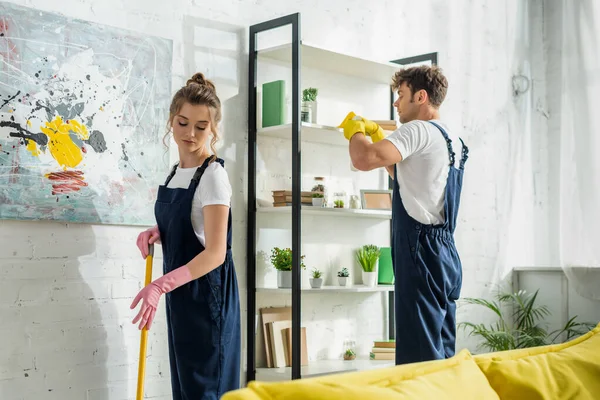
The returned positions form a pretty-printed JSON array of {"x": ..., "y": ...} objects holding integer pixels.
[{"x": 211, "y": 290}]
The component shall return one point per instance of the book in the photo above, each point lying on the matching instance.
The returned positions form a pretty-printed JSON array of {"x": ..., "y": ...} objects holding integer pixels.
[
  {"x": 382, "y": 356},
  {"x": 383, "y": 350},
  {"x": 385, "y": 344},
  {"x": 273, "y": 103}
]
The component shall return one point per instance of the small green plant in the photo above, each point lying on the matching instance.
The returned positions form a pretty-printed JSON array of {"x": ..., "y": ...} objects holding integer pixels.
[
  {"x": 343, "y": 273},
  {"x": 310, "y": 94},
  {"x": 282, "y": 259},
  {"x": 349, "y": 354},
  {"x": 317, "y": 196},
  {"x": 316, "y": 274},
  {"x": 522, "y": 328},
  {"x": 339, "y": 203},
  {"x": 367, "y": 257}
]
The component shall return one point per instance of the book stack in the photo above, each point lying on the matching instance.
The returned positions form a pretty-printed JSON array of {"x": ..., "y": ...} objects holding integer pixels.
[
  {"x": 282, "y": 198},
  {"x": 383, "y": 350}
]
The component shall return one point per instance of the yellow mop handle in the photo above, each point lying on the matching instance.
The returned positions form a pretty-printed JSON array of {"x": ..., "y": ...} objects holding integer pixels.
[{"x": 144, "y": 333}]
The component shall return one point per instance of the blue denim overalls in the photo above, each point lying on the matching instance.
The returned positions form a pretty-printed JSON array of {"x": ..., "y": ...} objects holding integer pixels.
[
  {"x": 203, "y": 316},
  {"x": 428, "y": 274}
]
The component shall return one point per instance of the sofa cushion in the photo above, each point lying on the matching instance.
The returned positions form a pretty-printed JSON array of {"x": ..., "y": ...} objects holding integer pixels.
[
  {"x": 570, "y": 370},
  {"x": 454, "y": 378}
]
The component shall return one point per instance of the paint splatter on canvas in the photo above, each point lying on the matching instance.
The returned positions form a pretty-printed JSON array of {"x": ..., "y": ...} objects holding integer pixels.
[{"x": 83, "y": 109}]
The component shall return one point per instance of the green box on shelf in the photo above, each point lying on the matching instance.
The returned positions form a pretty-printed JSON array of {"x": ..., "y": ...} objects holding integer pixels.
[
  {"x": 386, "y": 269},
  {"x": 273, "y": 103}
]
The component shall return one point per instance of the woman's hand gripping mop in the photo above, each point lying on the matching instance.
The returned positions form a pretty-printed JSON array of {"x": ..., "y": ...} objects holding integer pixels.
[{"x": 150, "y": 295}]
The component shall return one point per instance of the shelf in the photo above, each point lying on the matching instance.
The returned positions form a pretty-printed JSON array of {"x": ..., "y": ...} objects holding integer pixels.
[
  {"x": 334, "y": 212},
  {"x": 309, "y": 133},
  {"x": 335, "y": 289},
  {"x": 321, "y": 59},
  {"x": 321, "y": 367}
]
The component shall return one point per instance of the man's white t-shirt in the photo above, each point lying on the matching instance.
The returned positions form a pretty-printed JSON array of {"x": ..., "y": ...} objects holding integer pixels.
[
  {"x": 213, "y": 188},
  {"x": 423, "y": 171}
]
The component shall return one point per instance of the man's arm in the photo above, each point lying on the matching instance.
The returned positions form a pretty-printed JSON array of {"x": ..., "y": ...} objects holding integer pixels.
[{"x": 368, "y": 156}]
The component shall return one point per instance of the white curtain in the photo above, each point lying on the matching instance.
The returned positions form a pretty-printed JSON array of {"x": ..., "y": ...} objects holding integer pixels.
[{"x": 578, "y": 183}]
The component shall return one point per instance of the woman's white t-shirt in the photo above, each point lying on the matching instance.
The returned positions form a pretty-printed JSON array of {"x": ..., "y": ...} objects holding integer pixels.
[{"x": 214, "y": 188}]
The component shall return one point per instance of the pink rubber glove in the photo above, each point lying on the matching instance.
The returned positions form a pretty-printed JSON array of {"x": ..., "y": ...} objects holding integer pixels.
[
  {"x": 151, "y": 294},
  {"x": 147, "y": 237}
]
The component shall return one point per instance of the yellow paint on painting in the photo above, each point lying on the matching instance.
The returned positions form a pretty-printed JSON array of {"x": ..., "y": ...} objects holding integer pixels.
[
  {"x": 33, "y": 148},
  {"x": 60, "y": 144},
  {"x": 29, "y": 123}
]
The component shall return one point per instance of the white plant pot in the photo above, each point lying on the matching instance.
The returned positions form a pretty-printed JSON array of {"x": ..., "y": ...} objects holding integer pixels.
[
  {"x": 369, "y": 278},
  {"x": 316, "y": 283},
  {"x": 342, "y": 280},
  {"x": 313, "y": 111},
  {"x": 284, "y": 279},
  {"x": 306, "y": 112},
  {"x": 317, "y": 201}
]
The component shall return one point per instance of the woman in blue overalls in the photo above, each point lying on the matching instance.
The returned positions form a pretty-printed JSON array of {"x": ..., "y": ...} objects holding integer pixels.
[{"x": 194, "y": 228}]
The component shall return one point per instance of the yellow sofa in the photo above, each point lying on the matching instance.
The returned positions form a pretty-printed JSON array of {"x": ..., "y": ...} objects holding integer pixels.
[{"x": 569, "y": 370}]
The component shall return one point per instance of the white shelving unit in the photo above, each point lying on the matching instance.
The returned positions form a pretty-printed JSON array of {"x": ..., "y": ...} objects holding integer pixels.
[
  {"x": 310, "y": 133},
  {"x": 329, "y": 212},
  {"x": 334, "y": 289},
  {"x": 322, "y": 367},
  {"x": 318, "y": 58},
  {"x": 372, "y": 73}
]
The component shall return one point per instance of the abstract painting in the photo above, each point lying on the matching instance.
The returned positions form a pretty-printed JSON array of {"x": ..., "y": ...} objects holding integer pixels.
[{"x": 83, "y": 112}]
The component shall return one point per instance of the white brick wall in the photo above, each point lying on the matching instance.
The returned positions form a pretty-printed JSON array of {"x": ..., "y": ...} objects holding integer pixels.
[
  {"x": 65, "y": 314},
  {"x": 65, "y": 290}
]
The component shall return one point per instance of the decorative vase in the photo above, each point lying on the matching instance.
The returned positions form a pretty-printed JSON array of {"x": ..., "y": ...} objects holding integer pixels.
[
  {"x": 284, "y": 279},
  {"x": 316, "y": 283},
  {"x": 342, "y": 280},
  {"x": 369, "y": 278},
  {"x": 317, "y": 201}
]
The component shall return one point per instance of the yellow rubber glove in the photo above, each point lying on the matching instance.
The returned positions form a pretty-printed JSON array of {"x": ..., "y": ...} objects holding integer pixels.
[
  {"x": 373, "y": 130},
  {"x": 352, "y": 125}
]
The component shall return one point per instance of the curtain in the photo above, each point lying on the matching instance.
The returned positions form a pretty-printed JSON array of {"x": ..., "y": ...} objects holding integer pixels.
[{"x": 577, "y": 185}]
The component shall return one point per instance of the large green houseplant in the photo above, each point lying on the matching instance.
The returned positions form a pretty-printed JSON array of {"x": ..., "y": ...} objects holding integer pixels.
[{"x": 521, "y": 326}]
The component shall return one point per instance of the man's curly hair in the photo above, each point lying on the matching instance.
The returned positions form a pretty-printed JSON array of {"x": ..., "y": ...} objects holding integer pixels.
[{"x": 428, "y": 78}]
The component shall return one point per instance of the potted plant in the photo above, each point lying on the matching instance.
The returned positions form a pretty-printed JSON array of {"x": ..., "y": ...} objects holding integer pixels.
[
  {"x": 338, "y": 204},
  {"x": 368, "y": 258},
  {"x": 317, "y": 199},
  {"x": 349, "y": 354},
  {"x": 316, "y": 281},
  {"x": 343, "y": 276},
  {"x": 519, "y": 323},
  {"x": 282, "y": 261},
  {"x": 309, "y": 105}
]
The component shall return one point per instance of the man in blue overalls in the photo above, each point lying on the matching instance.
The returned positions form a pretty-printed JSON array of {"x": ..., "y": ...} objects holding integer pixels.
[{"x": 420, "y": 157}]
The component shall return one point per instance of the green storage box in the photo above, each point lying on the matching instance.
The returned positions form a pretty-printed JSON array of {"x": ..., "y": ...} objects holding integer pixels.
[
  {"x": 386, "y": 269},
  {"x": 273, "y": 103}
]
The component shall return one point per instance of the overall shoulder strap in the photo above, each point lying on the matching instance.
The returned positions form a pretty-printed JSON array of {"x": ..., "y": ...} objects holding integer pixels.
[
  {"x": 451, "y": 153},
  {"x": 171, "y": 174},
  {"x": 205, "y": 164}
]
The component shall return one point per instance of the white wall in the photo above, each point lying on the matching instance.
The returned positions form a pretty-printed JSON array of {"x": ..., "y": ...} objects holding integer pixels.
[{"x": 68, "y": 287}]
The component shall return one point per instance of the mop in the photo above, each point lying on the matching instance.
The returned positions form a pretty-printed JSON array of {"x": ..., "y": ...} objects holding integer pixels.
[{"x": 144, "y": 332}]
